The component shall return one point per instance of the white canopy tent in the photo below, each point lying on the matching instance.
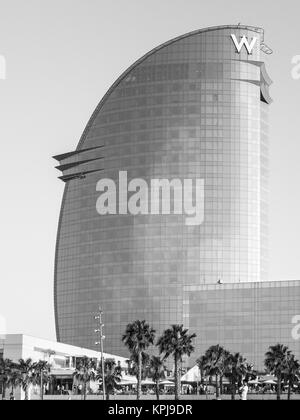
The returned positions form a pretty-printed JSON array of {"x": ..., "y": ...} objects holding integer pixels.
[
  {"x": 127, "y": 380},
  {"x": 192, "y": 375},
  {"x": 166, "y": 382}
]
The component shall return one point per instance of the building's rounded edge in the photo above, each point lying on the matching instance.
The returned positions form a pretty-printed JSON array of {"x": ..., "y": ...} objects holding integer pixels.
[
  {"x": 147, "y": 55},
  {"x": 56, "y": 260}
]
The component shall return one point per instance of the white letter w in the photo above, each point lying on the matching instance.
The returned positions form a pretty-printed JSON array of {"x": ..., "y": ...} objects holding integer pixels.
[{"x": 244, "y": 41}]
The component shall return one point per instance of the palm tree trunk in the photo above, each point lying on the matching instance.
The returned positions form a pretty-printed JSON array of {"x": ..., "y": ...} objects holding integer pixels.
[
  {"x": 217, "y": 387},
  {"x": 42, "y": 386},
  {"x": 278, "y": 387},
  {"x": 289, "y": 391},
  {"x": 233, "y": 391},
  {"x": 176, "y": 379},
  {"x": 139, "y": 378},
  {"x": 157, "y": 390},
  {"x": 84, "y": 391}
]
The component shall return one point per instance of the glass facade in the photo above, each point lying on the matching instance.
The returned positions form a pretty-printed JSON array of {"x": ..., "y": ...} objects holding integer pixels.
[
  {"x": 194, "y": 107},
  {"x": 245, "y": 318}
]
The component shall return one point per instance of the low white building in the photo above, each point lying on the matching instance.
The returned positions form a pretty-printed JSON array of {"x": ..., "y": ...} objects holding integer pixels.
[{"x": 62, "y": 358}]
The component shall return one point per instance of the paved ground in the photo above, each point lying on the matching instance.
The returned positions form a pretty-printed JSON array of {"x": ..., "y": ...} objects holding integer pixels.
[{"x": 169, "y": 397}]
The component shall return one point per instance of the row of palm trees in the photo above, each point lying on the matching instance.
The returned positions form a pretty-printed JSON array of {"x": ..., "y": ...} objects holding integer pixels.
[
  {"x": 138, "y": 337},
  {"x": 23, "y": 374},
  {"x": 175, "y": 342},
  {"x": 88, "y": 370},
  {"x": 217, "y": 362},
  {"x": 27, "y": 373},
  {"x": 281, "y": 362}
]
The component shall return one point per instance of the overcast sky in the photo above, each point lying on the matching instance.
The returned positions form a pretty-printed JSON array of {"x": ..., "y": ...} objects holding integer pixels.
[{"x": 62, "y": 56}]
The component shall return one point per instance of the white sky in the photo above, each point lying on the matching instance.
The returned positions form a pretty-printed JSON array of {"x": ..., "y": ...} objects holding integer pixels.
[{"x": 62, "y": 56}]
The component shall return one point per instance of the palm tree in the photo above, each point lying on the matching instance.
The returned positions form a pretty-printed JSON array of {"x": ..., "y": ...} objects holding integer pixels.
[
  {"x": 112, "y": 375},
  {"x": 236, "y": 369},
  {"x": 177, "y": 342},
  {"x": 85, "y": 372},
  {"x": 276, "y": 361},
  {"x": 291, "y": 373},
  {"x": 14, "y": 378},
  {"x": 133, "y": 365},
  {"x": 215, "y": 358},
  {"x": 137, "y": 338},
  {"x": 5, "y": 369},
  {"x": 42, "y": 371},
  {"x": 202, "y": 365},
  {"x": 157, "y": 371},
  {"x": 27, "y": 375}
]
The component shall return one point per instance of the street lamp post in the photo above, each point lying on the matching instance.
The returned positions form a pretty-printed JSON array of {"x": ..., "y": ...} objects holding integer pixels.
[{"x": 99, "y": 331}]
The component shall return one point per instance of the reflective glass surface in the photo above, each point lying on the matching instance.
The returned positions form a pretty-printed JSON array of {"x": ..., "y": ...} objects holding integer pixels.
[{"x": 190, "y": 109}]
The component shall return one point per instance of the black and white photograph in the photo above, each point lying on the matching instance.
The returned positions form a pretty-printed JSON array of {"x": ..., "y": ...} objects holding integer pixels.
[{"x": 150, "y": 203}]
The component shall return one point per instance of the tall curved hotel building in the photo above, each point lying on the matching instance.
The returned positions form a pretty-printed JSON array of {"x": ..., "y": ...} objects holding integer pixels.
[{"x": 193, "y": 108}]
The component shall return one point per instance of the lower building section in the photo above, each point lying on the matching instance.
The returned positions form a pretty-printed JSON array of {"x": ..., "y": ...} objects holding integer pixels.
[
  {"x": 62, "y": 359},
  {"x": 244, "y": 317}
]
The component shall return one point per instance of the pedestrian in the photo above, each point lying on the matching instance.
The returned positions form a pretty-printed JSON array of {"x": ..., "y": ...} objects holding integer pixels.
[{"x": 244, "y": 390}]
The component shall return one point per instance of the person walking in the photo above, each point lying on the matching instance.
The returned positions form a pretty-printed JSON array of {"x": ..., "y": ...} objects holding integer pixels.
[{"x": 244, "y": 391}]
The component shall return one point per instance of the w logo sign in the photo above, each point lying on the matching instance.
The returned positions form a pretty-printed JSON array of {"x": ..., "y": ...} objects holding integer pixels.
[{"x": 244, "y": 41}]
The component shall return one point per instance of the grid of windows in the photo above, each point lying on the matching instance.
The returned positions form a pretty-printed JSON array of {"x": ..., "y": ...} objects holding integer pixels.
[{"x": 245, "y": 318}]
